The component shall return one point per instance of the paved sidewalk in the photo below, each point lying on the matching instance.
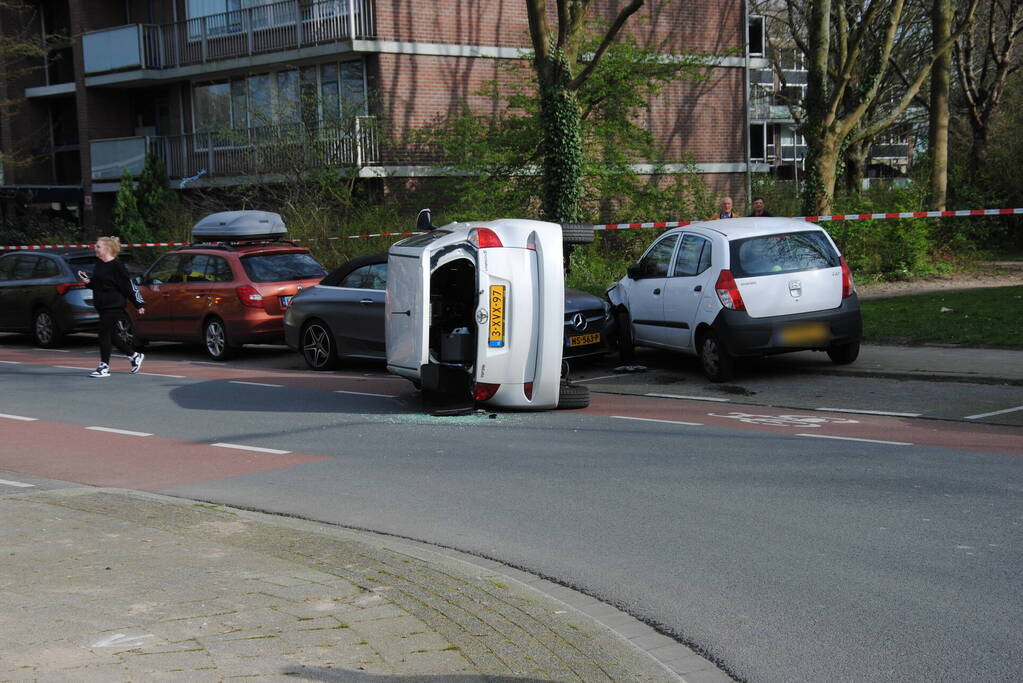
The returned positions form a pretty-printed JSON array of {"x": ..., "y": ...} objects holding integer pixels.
[{"x": 115, "y": 585}]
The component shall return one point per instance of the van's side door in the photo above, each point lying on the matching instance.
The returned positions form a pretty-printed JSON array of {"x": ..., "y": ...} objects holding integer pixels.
[{"x": 406, "y": 311}]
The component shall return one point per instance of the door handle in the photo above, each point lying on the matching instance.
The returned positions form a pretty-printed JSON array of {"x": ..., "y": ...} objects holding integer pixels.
[
  {"x": 698, "y": 288},
  {"x": 408, "y": 313},
  {"x": 365, "y": 302},
  {"x": 657, "y": 291}
]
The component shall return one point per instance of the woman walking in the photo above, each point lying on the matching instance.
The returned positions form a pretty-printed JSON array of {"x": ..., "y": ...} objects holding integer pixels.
[{"x": 111, "y": 286}]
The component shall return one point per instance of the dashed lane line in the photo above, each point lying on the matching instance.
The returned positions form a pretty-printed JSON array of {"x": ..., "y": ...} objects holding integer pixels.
[
  {"x": 17, "y": 484},
  {"x": 112, "y": 430},
  {"x": 650, "y": 419},
  {"x": 868, "y": 412},
  {"x": 991, "y": 414},
  {"x": 72, "y": 367},
  {"x": 160, "y": 374},
  {"x": 19, "y": 417},
  {"x": 52, "y": 350},
  {"x": 691, "y": 398},
  {"x": 365, "y": 393},
  {"x": 255, "y": 384},
  {"x": 11, "y": 362},
  {"x": 256, "y": 449},
  {"x": 594, "y": 379},
  {"x": 852, "y": 438}
]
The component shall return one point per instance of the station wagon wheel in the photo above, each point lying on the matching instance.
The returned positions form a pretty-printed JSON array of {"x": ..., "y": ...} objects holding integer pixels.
[
  {"x": 318, "y": 348},
  {"x": 214, "y": 339},
  {"x": 124, "y": 331},
  {"x": 843, "y": 354},
  {"x": 626, "y": 342},
  {"x": 45, "y": 330},
  {"x": 718, "y": 364}
]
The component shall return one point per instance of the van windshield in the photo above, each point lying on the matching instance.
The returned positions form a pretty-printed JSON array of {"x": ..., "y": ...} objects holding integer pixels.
[
  {"x": 784, "y": 253},
  {"x": 280, "y": 267}
]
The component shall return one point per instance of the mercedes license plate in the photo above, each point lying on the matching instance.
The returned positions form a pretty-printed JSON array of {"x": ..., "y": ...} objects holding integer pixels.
[{"x": 584, "y": 339}]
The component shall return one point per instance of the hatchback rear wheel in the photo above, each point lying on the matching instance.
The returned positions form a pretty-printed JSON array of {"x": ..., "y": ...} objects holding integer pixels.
[
  {"x": 45, "y": 330},
  {"x": 214, "y": 339},
  {"x": 843, "y": 354},
  {"x": 718, "y": 365},
  {"x": 318, "y": 346}
]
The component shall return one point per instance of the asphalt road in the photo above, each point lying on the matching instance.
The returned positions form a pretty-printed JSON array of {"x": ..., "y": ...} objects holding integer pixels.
[{"x": 765, "y": 537}]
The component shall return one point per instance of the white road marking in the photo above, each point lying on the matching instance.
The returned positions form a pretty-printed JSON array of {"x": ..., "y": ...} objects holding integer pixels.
[
  {"x": 52, "y": 350},
  {"x": 19, "y": 417},
  {"x": 851, "y": 438},
  {"x": 112, "y": 430},
  {"x": 868, "y": 412},
  {"x": 364, "y": 393},
  {"x": 996, "y": 412},
  {"x": 72, "y": 367},
  {"x": 208, "y": 362},
  {"x": 160, "y": 374},
  {"x": 255, "y": 384},
  {"x": 11, "y": 362},
  {"x": 20, "y": 485},
  {"x": 691, "y": 398},
  {"x": 250, "y": 448},
  {"x": 594, "y": 379},
  {"x": 121, "y": 640},
  {"x": 650, "y": 419}
]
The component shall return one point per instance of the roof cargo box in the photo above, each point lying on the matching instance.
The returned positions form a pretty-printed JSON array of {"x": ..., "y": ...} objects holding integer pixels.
[{"x": 234, "y": 226}]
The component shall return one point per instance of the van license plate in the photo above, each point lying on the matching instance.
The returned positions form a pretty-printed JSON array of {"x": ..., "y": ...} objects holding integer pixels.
[
  {"x": 804, "y": 334},
  {"x": 496, "y": 337},
  {"x": 584, "y": 339},
  {"x": 285, "y": 301}
]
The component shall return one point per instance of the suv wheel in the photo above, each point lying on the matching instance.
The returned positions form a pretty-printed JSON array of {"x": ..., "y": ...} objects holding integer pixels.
[
  {"x": 718, "y": 365},
  {"x": 318, "y": 347},
  {"x": 214, "y": 339},
  {"x": 626, "y": 343},
  {"x": 45, "y": 330},
  {"x": 843, "y": 354}
]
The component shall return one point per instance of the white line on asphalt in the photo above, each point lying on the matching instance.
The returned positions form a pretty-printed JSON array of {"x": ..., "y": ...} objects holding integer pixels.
[
  {"x": 997, "y": 412},
  {"x": 11, "y": 362},
  {"x": 250, "y": 448},
  {"x": 868, "y": 412},
  {"x": 852, "y": 438},
  {"x": 119, "y": 431},
  {"x": 364, "y": 393},
  {"x": 160, "y": 374},
  {"x": 208, "y": 362},
  {"x": 594, "y": 379},
  {"x": 255, "y": 384},
  {"x": 72, "y": 367},
  {"x": 691, "y": 398},
  {"x": 53, "y": 350},
  {"x": 19, "y": 417},
  {"x": 650, "y": 419},
  {"x": 20, "y": 485}
]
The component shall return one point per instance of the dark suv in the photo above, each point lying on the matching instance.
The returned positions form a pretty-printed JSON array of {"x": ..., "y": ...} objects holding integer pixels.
[
  {"x": 40, "y": 293},
  {"x": 223, "y": 295}
]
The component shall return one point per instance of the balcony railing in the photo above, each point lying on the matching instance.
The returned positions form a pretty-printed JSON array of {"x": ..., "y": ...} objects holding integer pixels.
[
  {"x": 241, "y": 33},
  {"x": 270, "y": 150}
]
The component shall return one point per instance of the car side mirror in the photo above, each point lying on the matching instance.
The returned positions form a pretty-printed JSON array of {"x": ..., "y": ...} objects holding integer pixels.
[{"x": 634, "y": 271}]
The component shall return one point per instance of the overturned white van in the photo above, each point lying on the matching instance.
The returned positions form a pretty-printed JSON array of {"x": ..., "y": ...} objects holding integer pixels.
[{"x": 475, "y": 313}]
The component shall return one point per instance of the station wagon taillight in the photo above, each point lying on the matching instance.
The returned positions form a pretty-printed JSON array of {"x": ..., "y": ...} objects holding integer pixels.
[
  {"x": 249, "y": 296},
  {"x": 65, "y": 287},
  {"x": 847, "y": 281},
  {"x": 483, "y": 391},
  {"x": 484, "y": 238},
  {"x": 728, "y": 292}
]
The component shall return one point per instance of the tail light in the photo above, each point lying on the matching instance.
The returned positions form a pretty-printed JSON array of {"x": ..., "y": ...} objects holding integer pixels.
[
  {"x": 847, "y": 282},
  {"x": 527, "y": 389},
  {"x": 249, "y": 296},
  {"x": 728, "y": 292},
  {"x": 483, "y": 391},
  {"x": 531, "y": 242},
  {"x": 65, "y": 287},
  {"x": 484, "y": 238}
]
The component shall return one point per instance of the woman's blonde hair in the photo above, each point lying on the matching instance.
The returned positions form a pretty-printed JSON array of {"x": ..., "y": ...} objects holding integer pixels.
[{"x": 113, "y": 244}]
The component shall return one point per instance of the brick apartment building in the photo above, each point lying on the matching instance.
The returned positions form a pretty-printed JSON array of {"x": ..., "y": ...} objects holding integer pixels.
[{"x": 168, "y": 77}]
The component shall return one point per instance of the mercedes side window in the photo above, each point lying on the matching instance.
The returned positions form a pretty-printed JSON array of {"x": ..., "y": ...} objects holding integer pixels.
[
  {"x": 373, "y": 276},
  {"x": 656, "y": 261},
  {"x": 693, "y": 256}
]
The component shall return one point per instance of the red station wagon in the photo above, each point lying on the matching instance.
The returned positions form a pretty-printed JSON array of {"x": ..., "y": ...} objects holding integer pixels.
[{"x": 228, "y": 293}]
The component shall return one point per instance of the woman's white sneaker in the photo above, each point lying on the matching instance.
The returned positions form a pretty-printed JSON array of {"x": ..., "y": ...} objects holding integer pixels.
[
  {"x": 136, "y": 361},
  {"x": 102, "y": 370}
]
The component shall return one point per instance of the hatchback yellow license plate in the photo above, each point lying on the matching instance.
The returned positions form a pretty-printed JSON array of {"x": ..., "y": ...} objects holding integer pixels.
[
  {"x": 496, "y": 336},
  {"x": 584, "y": 339},
  {"x": 804, "y": 334}
]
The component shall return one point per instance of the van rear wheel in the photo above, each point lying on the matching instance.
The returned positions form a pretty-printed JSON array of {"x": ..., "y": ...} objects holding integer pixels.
[
  {"x": 573, "y": 396},
  {"x": 577, "y": 233}
]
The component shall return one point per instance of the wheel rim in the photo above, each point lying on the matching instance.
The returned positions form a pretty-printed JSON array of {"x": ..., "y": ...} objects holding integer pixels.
[
  {"x": 44, "y": 327},
  {"x": 316, "y": 346},
  {"x": 711, "y": 356},
  {"x": 123, "y": 330},
  {"x": 215, "y": 341}
]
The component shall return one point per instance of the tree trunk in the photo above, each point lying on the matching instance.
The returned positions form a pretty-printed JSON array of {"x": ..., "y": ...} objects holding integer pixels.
[
  {"x": 561, "y": 145},
  {"x": 855, "y": 157},
  {"x": 815, "y": 192},
  {"x": 941, "y": 31},
  {"x": 819, "y": 185},
  {"x": 978, "y": 148}
]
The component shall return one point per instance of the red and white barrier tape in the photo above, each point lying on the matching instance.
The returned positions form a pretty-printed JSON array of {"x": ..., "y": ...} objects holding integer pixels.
[{"x": 609, "y": 226}]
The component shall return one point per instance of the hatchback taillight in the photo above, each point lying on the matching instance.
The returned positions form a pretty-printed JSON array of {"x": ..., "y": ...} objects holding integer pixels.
[
  {"x": 249, "y": 296},
  {"x": 847, "y": 282},
  {"x": 527, "y": 389},
  {"x": 65, "y": 287},
  {"x": 728, "y": 292},
  {"x": 483, "y": 391},
  {"x": 484, "y": 238}
]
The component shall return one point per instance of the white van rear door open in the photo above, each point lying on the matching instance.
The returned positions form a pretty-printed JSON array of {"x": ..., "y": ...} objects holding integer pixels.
[{"x": 406, "y": 323}]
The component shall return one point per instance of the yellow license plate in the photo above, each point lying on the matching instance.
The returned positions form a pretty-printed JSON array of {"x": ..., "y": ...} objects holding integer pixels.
[
  {"x": 496, "y": 337},
  {"x": 584, "y": 339},
  {"x": 806, "y": 334}
]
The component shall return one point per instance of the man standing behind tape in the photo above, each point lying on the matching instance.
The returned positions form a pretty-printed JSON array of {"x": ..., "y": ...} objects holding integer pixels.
[
  {"x": 726, "y": 209},
  {"x": 111, "y": 286}
]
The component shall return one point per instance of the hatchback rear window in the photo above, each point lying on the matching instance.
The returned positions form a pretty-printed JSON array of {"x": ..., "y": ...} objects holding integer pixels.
[
  {"x": 785, "y": 253},
  {"x": 281, "y": 267}
]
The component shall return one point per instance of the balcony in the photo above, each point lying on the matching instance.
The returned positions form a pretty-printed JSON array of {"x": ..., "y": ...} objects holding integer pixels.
[
  {"x": 770, "y": 112},
  {"x": 266, "y": 151},
  {"x": 250, "y": 32}
]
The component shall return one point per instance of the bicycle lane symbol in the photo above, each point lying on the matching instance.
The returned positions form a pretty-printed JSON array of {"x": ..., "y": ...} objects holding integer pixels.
[{"x": 802, "y": 421}]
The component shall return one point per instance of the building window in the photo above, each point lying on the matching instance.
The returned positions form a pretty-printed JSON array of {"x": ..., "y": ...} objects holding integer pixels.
[{"x": 756, "y": 36}]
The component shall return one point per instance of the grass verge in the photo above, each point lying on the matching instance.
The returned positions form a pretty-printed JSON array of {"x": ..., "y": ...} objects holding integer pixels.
[{"x": 977, "y": 317}]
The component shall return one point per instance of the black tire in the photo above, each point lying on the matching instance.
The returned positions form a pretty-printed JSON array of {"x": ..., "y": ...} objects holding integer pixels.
[
  {"x": 125, "y": 332},
  {"x": 626, "y": 342},
  {"x": 45, "y": 330},
  {"x": 319, "y": 350},
  {"x": 843, "y": 354},
  {"x": 215, "y": 339},
  {"x": 577, "y": 233},
  {"x": 718, "y": 365},
  {"x": 573, "y": 397}
]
